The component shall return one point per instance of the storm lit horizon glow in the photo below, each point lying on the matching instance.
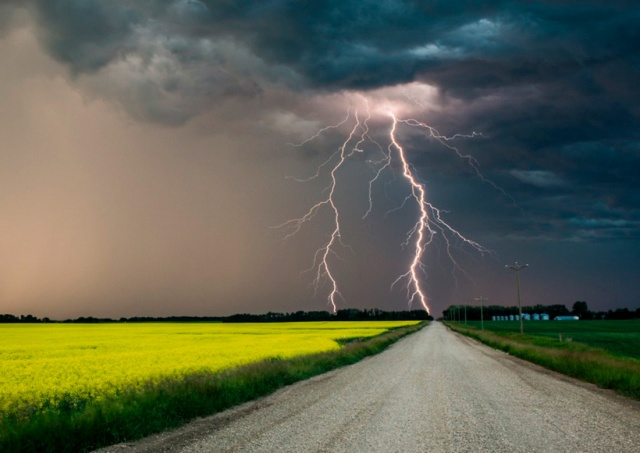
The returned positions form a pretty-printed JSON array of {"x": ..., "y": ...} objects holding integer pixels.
[{"x": 147, "y": 154}]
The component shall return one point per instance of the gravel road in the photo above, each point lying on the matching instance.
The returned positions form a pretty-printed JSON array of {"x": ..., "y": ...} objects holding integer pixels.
[{"x": 434, "y": 391}]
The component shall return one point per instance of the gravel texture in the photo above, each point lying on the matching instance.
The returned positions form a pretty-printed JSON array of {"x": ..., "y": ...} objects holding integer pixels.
[{"x": 434, "y": 391}]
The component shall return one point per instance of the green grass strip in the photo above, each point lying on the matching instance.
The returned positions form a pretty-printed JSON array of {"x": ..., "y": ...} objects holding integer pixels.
[
  {"x": 173, "y": 402},
  {"x": 570, "y": 358}
]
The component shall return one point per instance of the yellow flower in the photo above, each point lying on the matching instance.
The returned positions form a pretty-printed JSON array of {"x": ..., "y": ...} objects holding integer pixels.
[{"x": 55, "y": 364}]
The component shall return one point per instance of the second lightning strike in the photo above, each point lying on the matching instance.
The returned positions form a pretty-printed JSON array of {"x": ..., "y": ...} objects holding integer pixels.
[{"x": 429, "y": 221}]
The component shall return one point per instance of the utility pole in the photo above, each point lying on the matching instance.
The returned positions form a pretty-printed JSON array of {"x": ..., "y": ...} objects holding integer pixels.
[
  {"x": 465, "y": 313},
  {"x": 481, "y": 299},
  {"x": 516, "y": 267}
]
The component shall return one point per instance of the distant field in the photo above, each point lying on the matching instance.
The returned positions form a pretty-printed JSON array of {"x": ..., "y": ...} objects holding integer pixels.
[
  {"x": 620, "y": 338},
  {"x": 604, "y": 353},
  {"x": 66, "y": 365}
]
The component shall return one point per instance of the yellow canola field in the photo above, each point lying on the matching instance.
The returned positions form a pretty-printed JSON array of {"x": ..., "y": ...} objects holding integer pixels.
[{"x": 44, "y": 364}]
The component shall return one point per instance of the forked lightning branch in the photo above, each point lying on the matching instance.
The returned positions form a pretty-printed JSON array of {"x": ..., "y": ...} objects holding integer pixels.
[{"x": 429, "y": 221}]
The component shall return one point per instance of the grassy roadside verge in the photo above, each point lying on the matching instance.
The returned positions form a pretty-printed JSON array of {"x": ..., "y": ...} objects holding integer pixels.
[
  {"x": 172, "y": 402},
  {"x": 570, "y": 358}
]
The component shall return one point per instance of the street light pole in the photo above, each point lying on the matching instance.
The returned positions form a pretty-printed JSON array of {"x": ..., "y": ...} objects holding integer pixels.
[
  {"x": 516, "y": 267},
  {"x": 481, "y": 299}
]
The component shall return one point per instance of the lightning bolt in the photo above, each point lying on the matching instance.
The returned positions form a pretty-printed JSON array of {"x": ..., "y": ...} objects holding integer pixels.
[
  {"x": 429, "y": 223},
  {"x": 321, "y": 260},
  {"x": 421, "y": 230},
  {"x": 430, "y": 220}
]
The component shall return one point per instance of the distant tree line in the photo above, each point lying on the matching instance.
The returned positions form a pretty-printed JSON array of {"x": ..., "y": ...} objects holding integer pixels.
[
  {"x": 350, "y": 314},
  {"x": 22, "y": 318},
  {"x": 579, "y": 308},
  {"x": 173, "y": 319},
  {"x": 91, "y": 320}
]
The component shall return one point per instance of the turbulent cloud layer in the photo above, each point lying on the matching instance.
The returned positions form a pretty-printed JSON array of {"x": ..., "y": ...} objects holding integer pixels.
[
  {"x": 498, "y": 48},
  {"x": 551, "y": 86},
  {"x": 556, "y": 81}
]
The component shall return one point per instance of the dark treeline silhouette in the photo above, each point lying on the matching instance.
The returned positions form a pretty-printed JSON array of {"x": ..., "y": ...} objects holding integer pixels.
[
  {"x": 473, "y": 312},
  {"x": 91, "y": 320},
  {"x": 350, "y": 314},
  {"x": 620, "y": 313},
  {"x": 580, "y": 308},
  {"x": 22, "y": 318},
  {"x": 173, "y": 319}
]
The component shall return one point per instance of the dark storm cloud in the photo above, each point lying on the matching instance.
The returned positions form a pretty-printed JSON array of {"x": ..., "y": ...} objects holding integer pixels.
[
  {"x": 589, "y": 48},
  {"x": 87, "y": 34},
  {"x": 552, "y": 85},
  {"x": 569, "y": 53}
]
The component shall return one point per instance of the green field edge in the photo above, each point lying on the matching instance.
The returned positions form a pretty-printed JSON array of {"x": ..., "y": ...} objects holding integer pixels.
[
  {"x": 173, "y": 402},
  {"x": 576, "y": 360}
]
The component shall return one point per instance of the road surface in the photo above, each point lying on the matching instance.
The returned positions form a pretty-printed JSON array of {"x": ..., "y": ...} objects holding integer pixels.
[{"x": 434, "y": 391}]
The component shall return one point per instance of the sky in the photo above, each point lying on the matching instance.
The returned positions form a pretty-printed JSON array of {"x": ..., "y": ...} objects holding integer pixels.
[{"x": 152, "y": 153}]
